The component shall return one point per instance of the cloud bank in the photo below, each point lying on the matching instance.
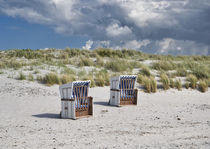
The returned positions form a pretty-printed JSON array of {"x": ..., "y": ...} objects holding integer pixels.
[{"x": 154, "y": 26}]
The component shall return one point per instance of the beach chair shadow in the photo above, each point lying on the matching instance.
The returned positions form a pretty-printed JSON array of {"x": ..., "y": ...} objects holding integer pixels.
[
  {"x": 47, "y": 115},
  {"x": 102, "y": 103}
]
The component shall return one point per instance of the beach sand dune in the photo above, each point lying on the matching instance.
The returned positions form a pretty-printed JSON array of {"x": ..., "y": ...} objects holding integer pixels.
[{"x": 29, "y": 118}]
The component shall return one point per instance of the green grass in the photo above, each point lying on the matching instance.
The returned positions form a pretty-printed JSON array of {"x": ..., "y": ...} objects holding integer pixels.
[
  {"x": 145, "y": 71},
  {"x": 172, "y": 83},
  {"x": 164, "y": 65},
  {"x": 178, "y": 84},
  {"x": 51, "y": 79},
  {"x": 90, "y": 77},
  {"x": 165, "y": 81},
  {"x": 117, "y": 65},
  {"x": 203, "y": 86},
  {"x": 140, "y": 79},
  {"x": 64, "y": 79},
  {"x": 153, "y": 85},
  {"x": 99, "y": 62},
  {"x": 193, "y": 81},
  {"x": 21, "y": 76},
  {"x": 102, "y": 78},
  {"x": 30, "y": 77},
  {"x": 68, "y": 71},
  {"x": 85, "y": 62},
  {"x": 187, "y": 85},
  {"x": 149, "y": 84},
  {"x": 182, "y": 72}
]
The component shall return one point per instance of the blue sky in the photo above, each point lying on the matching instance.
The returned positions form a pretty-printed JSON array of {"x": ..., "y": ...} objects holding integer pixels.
[
  {"x": 17, "y": 33},
  {"x": 180, "y": 27}
]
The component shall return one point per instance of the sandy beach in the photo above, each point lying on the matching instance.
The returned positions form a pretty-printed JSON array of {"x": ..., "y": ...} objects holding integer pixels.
[{"x": 167, "y": 119}]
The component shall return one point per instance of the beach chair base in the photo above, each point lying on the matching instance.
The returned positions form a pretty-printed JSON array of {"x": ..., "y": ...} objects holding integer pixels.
[
  {"x": 130, "y": 101},
  {"x": 70, "y": 112},
  {"x": 86, "y": 111},
  {"x": 116, "y": 100}
]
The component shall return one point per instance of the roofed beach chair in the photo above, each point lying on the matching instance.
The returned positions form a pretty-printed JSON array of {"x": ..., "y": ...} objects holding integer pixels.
[
  {"x": 122, "y": 90},
  {"x": 75, "y": 102}
]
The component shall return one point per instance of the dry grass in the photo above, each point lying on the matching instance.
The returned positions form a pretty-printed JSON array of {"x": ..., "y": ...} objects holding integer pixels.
[
  {"x": 178, "y": 84},
  {"x": 203, "y": 85},
  {"x": 165, "y": 81},
  {"x": 193, "y": 81}
]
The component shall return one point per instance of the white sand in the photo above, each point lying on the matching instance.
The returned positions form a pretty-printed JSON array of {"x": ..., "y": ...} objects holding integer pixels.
[{"x": 29, "y": 115}]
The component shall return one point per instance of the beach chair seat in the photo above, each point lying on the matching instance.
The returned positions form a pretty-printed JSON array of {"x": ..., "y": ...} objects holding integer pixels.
[
  {"x": 75, "y": 101},
  {"x": 122, "y": 90}
]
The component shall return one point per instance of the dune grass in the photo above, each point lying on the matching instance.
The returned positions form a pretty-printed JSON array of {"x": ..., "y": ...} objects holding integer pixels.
[
  {"x": 145, "y": 71},
  {"x": 117, "y": 65},
  {"x": 164, "y": 65},
  {"x": 203, "y": 85},
  {"x": 21, "y": 76},
  {"x": 83, "y": 61},
  {"x": 192, "y": 80},
  {"x": 30, "y": 77},
  {"x": 165, "y": 81},
  {"x": 149, "y": 84},
  {"x": 50, "y": 79},
  {"x": 182, "y": 72},
  {"x": 90, "y": 77},
  {"x": 64, "y": 79},
  {"x": 172, "y": 83},
  {"x": 187, "y": 85},
  {"x": 178, "y": 84},
  {"x": 140, "y": 79}
]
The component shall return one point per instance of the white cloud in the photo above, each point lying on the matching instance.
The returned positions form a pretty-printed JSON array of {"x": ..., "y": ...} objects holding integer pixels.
[
  {"x": 88, "y": 45},
  {"x": 115, "y": 30}
]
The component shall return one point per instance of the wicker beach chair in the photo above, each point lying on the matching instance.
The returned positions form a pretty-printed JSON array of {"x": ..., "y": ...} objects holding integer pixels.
[
  {"x": 122, "y": 90},
  {"x": 75, "y": 102}
]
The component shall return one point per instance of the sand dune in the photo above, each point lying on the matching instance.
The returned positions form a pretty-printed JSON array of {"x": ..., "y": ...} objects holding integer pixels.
[{"x": 173, "y": 119}]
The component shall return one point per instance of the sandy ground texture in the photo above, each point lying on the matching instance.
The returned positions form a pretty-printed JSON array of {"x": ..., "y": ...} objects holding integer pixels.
[{"x": 29, "y": 118}]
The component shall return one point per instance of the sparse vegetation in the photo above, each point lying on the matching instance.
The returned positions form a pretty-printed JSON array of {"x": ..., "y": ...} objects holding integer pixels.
[
  {"x": 147, "y": 84},
  {"x": 51, "y": 79},
  {"x": 193, "y": 81},
  {"x": 64, "y": 79},
  {"x": 164, "y": 65},
  {"x": 182, "y": 72},
  {"x": 165, "y": 81},
  {"x": 30, "y": 77},
  {"x": 178, "y": 84},
  {"x": 203, "y": 86},
  {"x": 153, "y": 85},
  {"x": 187, "y": 84},
  {"x": 85, "y": 62},
  {"x": 172, "y": 84},
  {"x": 145, "y": 71},
  {"x": 21, "y": 76},
  {"x": 66, "y": 65},
  {"x": 140, "y": 79},
  {"x": 117, "y": 65}
]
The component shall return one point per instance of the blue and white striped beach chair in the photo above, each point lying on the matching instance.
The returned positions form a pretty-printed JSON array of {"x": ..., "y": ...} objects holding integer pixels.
[
  {"x": 75, "y": 101},
  {"x": 122, "y": 90}
]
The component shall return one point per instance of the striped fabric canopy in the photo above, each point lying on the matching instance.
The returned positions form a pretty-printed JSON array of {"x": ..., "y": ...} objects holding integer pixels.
[
  {"x": 126, "y": 85},
  {"x": 80, "y": 91},
  {"x": 81, "y": 83}
]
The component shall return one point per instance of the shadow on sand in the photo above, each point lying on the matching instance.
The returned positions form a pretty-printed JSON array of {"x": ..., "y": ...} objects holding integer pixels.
[
  {"x": 102, "y": 103},
  {"x": 48, "y": 115}
]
